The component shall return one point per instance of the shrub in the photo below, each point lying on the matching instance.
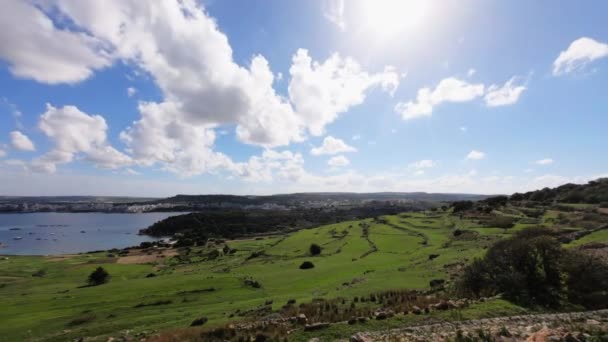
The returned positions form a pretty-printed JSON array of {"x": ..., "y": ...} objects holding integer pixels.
[
  {"x": 586, "y": 280},
  {"x": 98, "y": 277},
  {"x": 39, "y": 273},
  {"x": 504, "y": 222},
  {"x": 199, "y": 321},
  {"x": 315, "y": 249},
  {"x": 525, "y": 269},
  {"x": 307, "y": 265},
  {"x": 82, "y": 319}
]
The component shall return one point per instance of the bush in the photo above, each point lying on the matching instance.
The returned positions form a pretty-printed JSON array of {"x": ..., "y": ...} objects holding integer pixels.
[
  {"x": 315, "y": 249},
  {"x": 526, "y": 269},
  {"x": 586, "y": 280},
  {"x": 504, "y": 222},
  {"x": 82, "y": 319},
  {"x": 199, "y": 321},
  {"x": 98, "y": 277},
  {"x": 307, "y": 265}
]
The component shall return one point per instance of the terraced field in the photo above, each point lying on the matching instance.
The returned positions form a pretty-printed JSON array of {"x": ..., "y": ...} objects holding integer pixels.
[{"x": 404, "y": 251}]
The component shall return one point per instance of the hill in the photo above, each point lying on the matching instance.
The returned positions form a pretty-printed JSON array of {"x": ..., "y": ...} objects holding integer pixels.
[
  {"x": 378, "y": 270},
  {"x": 595, "y": 192}
]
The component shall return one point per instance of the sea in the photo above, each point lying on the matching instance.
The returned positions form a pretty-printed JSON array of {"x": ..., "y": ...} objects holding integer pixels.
[{"x": 68, "y": 233}]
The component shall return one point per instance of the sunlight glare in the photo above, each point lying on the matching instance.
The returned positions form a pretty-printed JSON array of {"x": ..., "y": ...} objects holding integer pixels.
[{"x": 385, "y": 18}]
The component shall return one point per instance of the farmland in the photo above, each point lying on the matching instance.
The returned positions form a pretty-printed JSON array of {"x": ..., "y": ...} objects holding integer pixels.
[{"x": 157, "y": 289}]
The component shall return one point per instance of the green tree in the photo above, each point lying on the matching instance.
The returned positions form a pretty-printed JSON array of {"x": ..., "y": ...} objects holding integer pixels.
[{"x": 98, "y": 277}]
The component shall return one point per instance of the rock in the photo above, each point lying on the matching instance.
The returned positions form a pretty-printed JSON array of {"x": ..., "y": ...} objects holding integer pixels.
[
  {"x": 592, "y": 322},
  {"x": 360, "y": 337},
  {"x": 362, "y": 319},
  {"x": 352, "y": 320},
  {"x": 301, "y": 319},
  {"x": 316, "y": 326},
  {"x": 416, "y": 310},
  {"x": 442, "y": 305}
]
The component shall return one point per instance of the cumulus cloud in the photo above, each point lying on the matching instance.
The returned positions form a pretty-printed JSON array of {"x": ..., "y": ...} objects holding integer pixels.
[
  {"x": 504, "y": 95},
  {"x": 322, "y": 91},
  {"x": 546, "y": 161},
  {"x": 332, "y": 145},
  {"x": 21, "y": 142},
  {"x": 475, "y": 155},
  {"x": 191, "y": 61},
  {"x": 580, "y": 53},
  {"x": 2, "y": 153},
  {"x": 36, "y": 49},
  {"x": 448, "y": 90},
  {"x": 74, "y": 132},
  {"x": 272, "y": 166},
  {"x": 338, "y": 161}
]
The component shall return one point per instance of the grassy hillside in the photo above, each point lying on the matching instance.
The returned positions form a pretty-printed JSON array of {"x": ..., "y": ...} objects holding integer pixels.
[{"x": 251, "y": 277}]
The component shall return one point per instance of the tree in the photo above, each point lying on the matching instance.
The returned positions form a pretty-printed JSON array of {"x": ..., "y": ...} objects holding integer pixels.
[
  {"x": 526, "y": 269},
  {"x": 315, "y": 249},
  {"x": 98, "y": 277}
]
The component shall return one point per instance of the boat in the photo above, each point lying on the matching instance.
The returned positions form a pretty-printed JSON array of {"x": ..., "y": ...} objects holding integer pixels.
[{"x": 17, "y": 238}]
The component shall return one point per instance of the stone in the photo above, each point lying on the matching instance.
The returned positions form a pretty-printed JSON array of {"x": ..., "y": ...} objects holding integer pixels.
[
  {"x": 301, "y": 319},
  {"x": 359, "y": 337}
]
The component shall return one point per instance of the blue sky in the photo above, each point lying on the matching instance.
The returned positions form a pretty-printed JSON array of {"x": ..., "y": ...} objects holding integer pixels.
[{"x": 257, "y": 97}]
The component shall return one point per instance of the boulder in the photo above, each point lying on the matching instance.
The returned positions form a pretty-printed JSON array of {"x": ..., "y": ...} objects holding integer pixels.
[{"x": 416, "y": 310}]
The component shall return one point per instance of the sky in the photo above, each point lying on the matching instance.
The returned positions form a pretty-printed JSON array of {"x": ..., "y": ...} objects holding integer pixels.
[{"x": 156, "y": 98}]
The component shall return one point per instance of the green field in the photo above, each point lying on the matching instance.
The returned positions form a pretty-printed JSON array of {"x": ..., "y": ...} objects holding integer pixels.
[{"x": 404, "y": 251}]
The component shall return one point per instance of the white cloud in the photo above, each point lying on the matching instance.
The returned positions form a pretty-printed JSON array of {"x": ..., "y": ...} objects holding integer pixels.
[
  {"x": 74, "y": 132},
  {"x": 422, "y": 164},
  {"x": 508, "y": 94},
  {"x": 321, "y": 91},
  {"x": 338, "y": 161},
  {"x": 546, "y": 161},
  {"x": 21, "y": 142},
  {"x": 272, "y": 166},
  {"x": 36, "y": 49},
  {"x": 448, "y": 90},
  {"x": 475, "y": 155},
  {"x": 463, "y": 128},
  {"x": 333, "y": 10},
  {"x": 471, "y": 72},
  {"x": 356, "y": 137},
  {"x": 202, "y": 86},
  {"x": 131, "y": 91},
  {"x": 132, "y": 172},
  {"x": 580, "y": 52},
  {"x": 2, "y": 153},
  {"x": 332, "y": 145}
]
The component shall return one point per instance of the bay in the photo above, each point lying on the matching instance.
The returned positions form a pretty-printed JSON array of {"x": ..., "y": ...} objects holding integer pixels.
[{"x": 66, "y": 233}]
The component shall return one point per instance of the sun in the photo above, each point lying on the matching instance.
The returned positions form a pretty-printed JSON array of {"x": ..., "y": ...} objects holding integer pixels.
[{"x": 387, "y": 18}]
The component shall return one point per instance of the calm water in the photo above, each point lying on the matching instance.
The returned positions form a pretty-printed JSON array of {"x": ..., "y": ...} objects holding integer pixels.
[{"x": 60, "y": 233}]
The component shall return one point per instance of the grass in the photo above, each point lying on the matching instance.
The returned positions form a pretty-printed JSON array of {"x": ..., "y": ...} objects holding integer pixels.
[{"x": 357, "y": 258}]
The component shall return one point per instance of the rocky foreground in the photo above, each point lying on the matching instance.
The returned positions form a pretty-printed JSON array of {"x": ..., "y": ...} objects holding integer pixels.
[{"x": 570, "y": 327}]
